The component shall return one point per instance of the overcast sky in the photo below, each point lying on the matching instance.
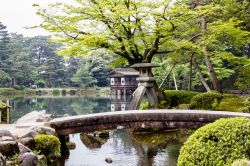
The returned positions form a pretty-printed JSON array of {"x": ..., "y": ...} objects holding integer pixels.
[{"x": 17, "y": 14}]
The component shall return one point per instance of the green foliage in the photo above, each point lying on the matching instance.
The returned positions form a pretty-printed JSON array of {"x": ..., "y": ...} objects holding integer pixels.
[
  {"x": 174, "y": 98},
  {"x": 241, "y": 162},
  {"x": 206, "y": 101},
  {"x": 246, "y": 105},
  {"x": 48, "y": 145},
  {"x": 218, "y": 143},
  {"x": 18, "y": 87},
  {"x": 230, "y": 103},
  {"x": 56, "y": 92}
]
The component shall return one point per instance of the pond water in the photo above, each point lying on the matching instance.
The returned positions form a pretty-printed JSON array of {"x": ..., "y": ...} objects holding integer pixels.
[{"x": 124, "y": 147}]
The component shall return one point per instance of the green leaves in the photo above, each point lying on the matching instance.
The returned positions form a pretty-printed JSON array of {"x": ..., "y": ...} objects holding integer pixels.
[{"x": 218, "y": 143}]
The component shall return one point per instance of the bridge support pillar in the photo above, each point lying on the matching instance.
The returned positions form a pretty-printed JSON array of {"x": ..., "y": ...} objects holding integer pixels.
[
  {"x": 64, "y": 149},
  {"x": 146, "y": 86}
]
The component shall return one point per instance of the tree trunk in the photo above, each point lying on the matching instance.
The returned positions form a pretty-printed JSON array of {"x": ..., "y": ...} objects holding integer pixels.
[
  {"x": 215, "y": 81},
  {"x": 202, "y": 79},
  {"x": 190, "y": 72}
]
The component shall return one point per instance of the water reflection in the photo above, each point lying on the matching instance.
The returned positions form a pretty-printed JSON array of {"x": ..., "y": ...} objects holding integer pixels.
[
  {"x": 122, "y": 146},
  {"x": 120, "y": 103},
  {"x": 124, "y": 149},
  {"x": 59, "y": 106}
]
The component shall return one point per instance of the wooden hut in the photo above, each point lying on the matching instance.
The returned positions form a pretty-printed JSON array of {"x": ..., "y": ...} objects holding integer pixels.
[{"x": 123, "y": 81}]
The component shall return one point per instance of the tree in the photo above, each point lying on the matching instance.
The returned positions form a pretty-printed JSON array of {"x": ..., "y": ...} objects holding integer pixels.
[
  {"x": 83, "y": 78},
  {"x": 135, "y": 30}
]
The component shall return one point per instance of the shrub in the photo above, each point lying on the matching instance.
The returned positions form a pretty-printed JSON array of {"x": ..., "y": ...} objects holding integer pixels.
[
  {"x": 175, "y": 98},
  {"x": 218, "y": 143},
  {"x": 48, "y": 145},
  {"x": 206, "y": 101},
  {"x": 56, "y": 92},
  {"x": 18, "y": 87}
]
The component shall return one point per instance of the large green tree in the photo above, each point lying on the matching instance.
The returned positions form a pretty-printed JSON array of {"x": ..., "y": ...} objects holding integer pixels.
[{"x": 135, "y": 30}]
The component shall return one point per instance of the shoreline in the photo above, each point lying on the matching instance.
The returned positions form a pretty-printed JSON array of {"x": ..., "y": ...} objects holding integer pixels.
[{"x": 9, "y": 93}]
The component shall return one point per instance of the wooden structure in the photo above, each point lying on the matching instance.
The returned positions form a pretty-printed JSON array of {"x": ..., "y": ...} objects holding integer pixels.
[
  {"x": 4, "y": 114},
  {"x": 123, "y": 82},
  {"x": 146, "y": 85}
]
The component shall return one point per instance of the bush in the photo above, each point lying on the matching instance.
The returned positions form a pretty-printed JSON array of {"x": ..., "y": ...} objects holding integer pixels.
[
  {"x": 206, "y": 101},
  {"x": 175, "y": 98},
  {"x": 218, "y": 143},
  {"x": 48, "y": 145},
  {"x": 56, "y": 92},
  {"x": 18, "y": 87}
]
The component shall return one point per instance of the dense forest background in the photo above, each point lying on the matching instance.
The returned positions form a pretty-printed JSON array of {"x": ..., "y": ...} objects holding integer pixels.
[
  {"x": 203, "y": 45},
  {"x": 26, "y": 61}
]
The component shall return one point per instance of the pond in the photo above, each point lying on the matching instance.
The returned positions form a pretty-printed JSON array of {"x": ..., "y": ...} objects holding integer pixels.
[{"x": 123, "y": 146}]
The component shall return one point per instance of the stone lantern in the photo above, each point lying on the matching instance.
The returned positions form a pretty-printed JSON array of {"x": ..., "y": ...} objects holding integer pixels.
[{"x": 146, "y": 85}]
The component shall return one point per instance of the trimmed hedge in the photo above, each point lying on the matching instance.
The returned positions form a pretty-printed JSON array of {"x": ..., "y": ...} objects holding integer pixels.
[
  {"x": 206, "y": 101},
  {"x": 218, "y": 143},
  {"x": 174, "y": 97},
  {"x": 48, "y": 145}
]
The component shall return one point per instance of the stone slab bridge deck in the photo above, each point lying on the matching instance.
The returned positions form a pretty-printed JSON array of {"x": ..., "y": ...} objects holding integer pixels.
[{"x": 167, "y": 119}]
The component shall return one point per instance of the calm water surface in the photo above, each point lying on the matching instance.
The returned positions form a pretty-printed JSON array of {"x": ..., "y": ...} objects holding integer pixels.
[{"x": 122, "y": 146}]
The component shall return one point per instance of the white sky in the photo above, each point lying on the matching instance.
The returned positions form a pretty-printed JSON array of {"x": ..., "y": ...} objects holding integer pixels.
[{"x": 17, "y": 14}]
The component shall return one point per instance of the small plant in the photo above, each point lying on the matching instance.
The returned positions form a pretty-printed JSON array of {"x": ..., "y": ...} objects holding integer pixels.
[
  {"x": 218, "y": 143},
  {"x": 56, "y": 92},
  {"x": 48, "y": 145},
  {"x": 206, "y": 101},
  {"x": 174, "y": 98}
]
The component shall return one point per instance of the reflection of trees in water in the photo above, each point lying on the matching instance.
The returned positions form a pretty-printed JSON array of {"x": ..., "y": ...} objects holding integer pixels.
[
  {"x": 59, "y": 106},
  {"x": 148, "y": 146}
]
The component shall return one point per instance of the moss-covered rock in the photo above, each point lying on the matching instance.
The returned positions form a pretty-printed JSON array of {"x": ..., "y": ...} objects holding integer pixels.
[
  {"x": 231, "y": 103},
  {"x": 218, "y": 143}
]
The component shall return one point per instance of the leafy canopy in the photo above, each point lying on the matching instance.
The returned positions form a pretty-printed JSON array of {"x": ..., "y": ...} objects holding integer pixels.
[{"x": 135, "y": 30}]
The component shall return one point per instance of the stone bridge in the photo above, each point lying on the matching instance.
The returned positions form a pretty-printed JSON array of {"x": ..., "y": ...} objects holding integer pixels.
[{"x": 167, "y": 119}]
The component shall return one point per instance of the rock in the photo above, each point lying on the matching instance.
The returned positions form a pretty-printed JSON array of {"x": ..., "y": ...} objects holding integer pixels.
[
  {"x": 23, "y": 149},
  {"x": 28, "y": 133},
  {"x": 6, "y": 133},
  {"x": 6, "y": 138},
  {"x": 32, "y": 117},
  {"x": 9, "y": 148},
  {"x": 92, "y": 142},
  {"x": 42, "y": 160},
  {"x": 28, "y": 159},
  {"x": 71, "y": 145},
  {"x": 43, "y": 130},
  {"x": 2, "y": 160},
  {"x": 102, "y": 134},
  {"x": 28, "y": 142},
  {"x": 108, "y": 160}
]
